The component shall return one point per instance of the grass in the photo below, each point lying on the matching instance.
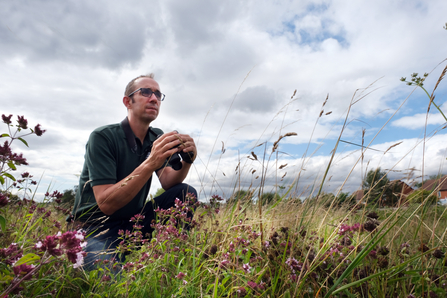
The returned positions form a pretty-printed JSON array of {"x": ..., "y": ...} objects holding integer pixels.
[{"x": 305, "y": 253}]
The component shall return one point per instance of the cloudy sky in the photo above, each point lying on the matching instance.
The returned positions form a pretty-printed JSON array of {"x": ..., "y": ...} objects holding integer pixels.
[{"x": 237, "y": 75}]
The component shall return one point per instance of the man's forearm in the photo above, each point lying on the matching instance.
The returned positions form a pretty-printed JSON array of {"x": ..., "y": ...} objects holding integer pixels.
[
  {"x": 169, "y": 177},
  {"x": 112, "y": 197}
]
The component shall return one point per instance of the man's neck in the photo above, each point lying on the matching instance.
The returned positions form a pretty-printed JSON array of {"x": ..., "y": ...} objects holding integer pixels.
[{"x": 139, "y": 128}]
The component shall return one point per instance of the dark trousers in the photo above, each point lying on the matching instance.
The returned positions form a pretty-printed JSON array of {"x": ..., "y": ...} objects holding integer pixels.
[{"x": 103, "y": 239}]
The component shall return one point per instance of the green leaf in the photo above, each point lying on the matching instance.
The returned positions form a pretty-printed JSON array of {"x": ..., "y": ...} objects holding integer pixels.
[
  {"x": 12, "y": 166},
  {"x": 28, "y": 258},
  {"x": 3, "y": 223},
  {"x": 4, "y": 135},
  {"x": 2, "y": 180},
  {"x": 23, "y": 141},
  {"x": 9, "y": 176}
]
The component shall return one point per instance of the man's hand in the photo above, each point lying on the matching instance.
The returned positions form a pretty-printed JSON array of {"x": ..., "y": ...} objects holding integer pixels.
[
  {"x": 169, "y": 177},
  {"x": 162, "y": 149},
  {"x": 187, "y": 145}
]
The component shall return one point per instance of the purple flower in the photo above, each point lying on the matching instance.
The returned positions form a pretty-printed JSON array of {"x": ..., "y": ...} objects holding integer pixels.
[
  {"x": 76, "y": 256},
  {"x": 252, "y": 285},
  {"x": 23, "y": 269},
  {"x": 105, "y": 278},
  {"x": 242, "y": 291},
  {"x": 181, "y": 275},
  {"x": 38, "y": 131},
  {"x": 23, "y": 123},
  {"x": 5, "y": 151},
  {"x": 6, "y": 119},
  {"x": 3, "y": 200},
  {"x": 246, "y": 267}
]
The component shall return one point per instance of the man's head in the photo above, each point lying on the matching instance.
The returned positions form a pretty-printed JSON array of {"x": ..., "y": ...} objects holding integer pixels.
[
  {"x": 131, "y": 85},
  {"x": 142, "y": 98}
]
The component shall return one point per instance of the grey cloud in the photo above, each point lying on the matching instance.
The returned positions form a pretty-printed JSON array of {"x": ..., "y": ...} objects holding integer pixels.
[
  {"x": 91, "y": 33},
  {"x": 256, "y": 99},
  {"x": 195, "y": 23}
]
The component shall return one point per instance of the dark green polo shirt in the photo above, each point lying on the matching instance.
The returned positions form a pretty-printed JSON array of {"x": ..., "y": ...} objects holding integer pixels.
[{"x": 108, "y": 160}]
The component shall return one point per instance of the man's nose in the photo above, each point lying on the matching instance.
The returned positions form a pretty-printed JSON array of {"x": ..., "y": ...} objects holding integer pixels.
[{"x": 153, "y": 98}]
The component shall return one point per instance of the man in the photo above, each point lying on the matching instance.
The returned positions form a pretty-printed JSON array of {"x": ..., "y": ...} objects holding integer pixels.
[{"x": 119, "y": 162}]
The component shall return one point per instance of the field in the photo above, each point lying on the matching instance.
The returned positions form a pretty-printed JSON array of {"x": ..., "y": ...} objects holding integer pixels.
[{"x": 304, "y": 250}]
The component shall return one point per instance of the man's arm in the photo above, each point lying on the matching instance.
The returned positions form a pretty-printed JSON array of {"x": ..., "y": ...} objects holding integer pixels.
[
  {"x": 168, "y": 176},
  {"x": 112, "y": 197}
]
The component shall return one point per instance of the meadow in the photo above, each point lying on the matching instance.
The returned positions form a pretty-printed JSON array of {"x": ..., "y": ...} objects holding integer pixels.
[{"x": 233, "y": 247}]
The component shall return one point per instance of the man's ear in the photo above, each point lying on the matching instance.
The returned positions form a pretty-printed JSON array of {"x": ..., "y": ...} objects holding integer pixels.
[{"x": 127, "y": 101}]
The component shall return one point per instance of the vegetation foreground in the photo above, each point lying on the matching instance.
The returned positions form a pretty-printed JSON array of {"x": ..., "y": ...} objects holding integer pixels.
[{"x": 305, "y": 250}]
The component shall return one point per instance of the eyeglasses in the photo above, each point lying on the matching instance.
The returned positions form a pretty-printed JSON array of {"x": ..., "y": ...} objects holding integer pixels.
[{"x": 147, "y": 92}]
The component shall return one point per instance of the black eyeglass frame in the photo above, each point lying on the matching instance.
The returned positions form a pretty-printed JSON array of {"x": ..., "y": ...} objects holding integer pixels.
[{"x": 147, "y": 92}]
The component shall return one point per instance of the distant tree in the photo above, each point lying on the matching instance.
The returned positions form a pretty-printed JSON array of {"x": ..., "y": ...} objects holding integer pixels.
[
  {"x": 269, "y": 197},
  {"x": 346, "y": 199},
  {"x": 392, "y": 193},
  {"x": 241, "y": 195},
  {"x": 68, "y": 198},
  {"x": 420, "y": 195},
  {"x": 342, "y": 200},
  {"x": 374, "y": 183}
]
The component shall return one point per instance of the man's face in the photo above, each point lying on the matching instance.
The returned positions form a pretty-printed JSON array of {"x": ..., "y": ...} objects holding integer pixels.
[{"x": 144, "y": 108}]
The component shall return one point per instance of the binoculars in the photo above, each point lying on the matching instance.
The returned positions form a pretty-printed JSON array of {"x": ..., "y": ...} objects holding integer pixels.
[{"x": 176, "y": 159}]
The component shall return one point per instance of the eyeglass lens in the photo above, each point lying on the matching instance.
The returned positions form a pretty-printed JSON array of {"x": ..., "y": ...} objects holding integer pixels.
[{"x": 148, "y": 93}]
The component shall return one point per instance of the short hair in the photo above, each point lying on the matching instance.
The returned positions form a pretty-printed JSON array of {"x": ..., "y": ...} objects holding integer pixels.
[{"x": 131, "y": 86}]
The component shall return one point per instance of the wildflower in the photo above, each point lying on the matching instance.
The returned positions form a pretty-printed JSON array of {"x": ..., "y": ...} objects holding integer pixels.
[
  {"x": 252, "y": 285},
  {"x": 38, "y": 245},
  {"x": 76, "y": 256},
  {"x": 217, "y": 198},
  {"x": 128, "y": 266},
  {"x": 433, "y": 295},
  {"x": 438, "y": 254},
  {"x": 294, "y": 265},
  {"x": 372, "y": 215},
  {"x": 105, "y": 278},
  {"x": 346, "y": 241},
  {"x": 242, "y": 291},
  {"x": 246, "y": 268},
  {"x": 231, "y": 249},
  {"x": 23, "y": 270},
  {"x": 39, "y": 132},
  {"x": 180, "y": 275},
  {"x": 213, "y": 249},
  {"x": 224, "y": 263},
  {"x": 423, "y": 247},
  {"x": 6, "y": 119},
  {"x": 5, "y": 150},
  {"x": 383, "y": 262},
  {"x": 3, "y": 200},
  {"x": 383, "y": 251},
  {"x": 23, "y": 123},
  {"x": 370, "y": 225}
]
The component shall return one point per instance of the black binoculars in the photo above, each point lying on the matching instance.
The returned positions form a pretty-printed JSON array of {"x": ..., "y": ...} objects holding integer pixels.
[{"x": 176, "y": 159}]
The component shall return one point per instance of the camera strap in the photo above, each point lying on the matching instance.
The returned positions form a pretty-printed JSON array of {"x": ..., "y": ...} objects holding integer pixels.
[{"x": 130, "y": 136}]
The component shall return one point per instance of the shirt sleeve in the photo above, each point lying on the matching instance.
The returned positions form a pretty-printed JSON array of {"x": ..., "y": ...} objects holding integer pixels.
[{"x": 101, "y": 160}]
